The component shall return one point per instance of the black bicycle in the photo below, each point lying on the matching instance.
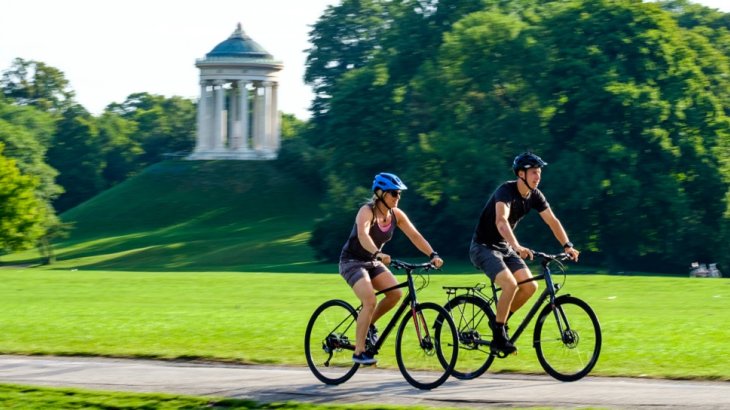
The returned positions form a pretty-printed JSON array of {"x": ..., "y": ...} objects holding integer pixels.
[
  {"x": 426, "y": 344},
  {"x": 567, "y": 335}
]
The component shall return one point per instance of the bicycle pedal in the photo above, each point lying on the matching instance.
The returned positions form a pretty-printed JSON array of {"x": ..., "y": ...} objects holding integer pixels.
[{"x": 501, "y": 355}]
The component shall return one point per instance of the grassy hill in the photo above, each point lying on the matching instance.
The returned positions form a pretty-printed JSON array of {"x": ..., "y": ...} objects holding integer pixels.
[{"x": 194, "y": 215}]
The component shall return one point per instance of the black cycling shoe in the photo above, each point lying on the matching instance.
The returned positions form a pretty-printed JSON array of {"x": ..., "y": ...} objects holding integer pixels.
[
  {"x": 500, "y": 342},
  {"x": 505, "y": 347}
]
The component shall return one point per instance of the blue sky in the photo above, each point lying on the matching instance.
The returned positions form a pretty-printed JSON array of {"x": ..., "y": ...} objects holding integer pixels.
[{"x": 109, "y": 49}]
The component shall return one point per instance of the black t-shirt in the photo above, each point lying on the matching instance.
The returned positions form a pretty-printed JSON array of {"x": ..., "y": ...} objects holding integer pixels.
[{"x": 486, "y": 231}]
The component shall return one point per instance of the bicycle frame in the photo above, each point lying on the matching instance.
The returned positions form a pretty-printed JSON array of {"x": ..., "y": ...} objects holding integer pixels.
[
  {"x": 409, "y": 301},
  {"x": 548, "y": 293},
  {"x": 426, "y": 344}
]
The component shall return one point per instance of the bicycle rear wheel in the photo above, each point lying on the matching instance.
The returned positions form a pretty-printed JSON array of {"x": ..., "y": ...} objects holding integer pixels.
[
  {"x": 425, "y": 336},
  {"x": 567, "y": 339},
  {"x": 330, "y": 340},
  {"x": 472, "y": 316}
]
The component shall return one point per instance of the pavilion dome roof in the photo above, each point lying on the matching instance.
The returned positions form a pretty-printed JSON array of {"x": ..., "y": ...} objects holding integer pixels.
[{"x": 240, "y": 45}]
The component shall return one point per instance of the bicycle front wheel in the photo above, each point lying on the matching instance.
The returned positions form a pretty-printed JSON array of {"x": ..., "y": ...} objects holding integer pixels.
[
  {"x": 330, "y": 340},
  {"x": 567, "y": 339},
  {"x": 426, "y": 346},
  {"x": 472, "y": 316}
]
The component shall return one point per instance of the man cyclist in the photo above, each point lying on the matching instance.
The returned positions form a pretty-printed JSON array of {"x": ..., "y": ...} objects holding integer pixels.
[{"x": 495, "y": 249}]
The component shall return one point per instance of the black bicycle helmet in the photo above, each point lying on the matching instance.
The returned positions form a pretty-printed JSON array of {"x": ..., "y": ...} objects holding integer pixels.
[{"x": 527, "y": 160}]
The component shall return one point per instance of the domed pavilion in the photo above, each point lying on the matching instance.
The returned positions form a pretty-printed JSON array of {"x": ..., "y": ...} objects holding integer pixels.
[{"x": 237, "y": 111}]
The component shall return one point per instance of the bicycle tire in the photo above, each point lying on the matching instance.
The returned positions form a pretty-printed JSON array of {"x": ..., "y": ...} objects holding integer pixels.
[
  {"x": 472, "y": 316},
  {"x": 571, "y": 354},
  {"x": 426, "y": 333},
  {"x": 330, "y": 340}
]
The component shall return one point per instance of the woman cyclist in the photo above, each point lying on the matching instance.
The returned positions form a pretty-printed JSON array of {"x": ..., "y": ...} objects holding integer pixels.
[{"x": 364, "y": 265}]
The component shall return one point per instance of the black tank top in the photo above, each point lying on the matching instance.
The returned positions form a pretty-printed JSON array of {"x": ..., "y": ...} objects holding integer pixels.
[{"x": 353, "y": 250}]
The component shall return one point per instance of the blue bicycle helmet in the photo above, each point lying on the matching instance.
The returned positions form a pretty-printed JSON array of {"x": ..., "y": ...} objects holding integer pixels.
[
  {"x": 388, "y": 182},
  {"x": 526, "y": 161}
]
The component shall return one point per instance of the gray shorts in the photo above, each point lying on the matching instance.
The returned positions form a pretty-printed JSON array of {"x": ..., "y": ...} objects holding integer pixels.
[
  {"x": 493, "y": 261},
  {"x": 354, "y": 270}
]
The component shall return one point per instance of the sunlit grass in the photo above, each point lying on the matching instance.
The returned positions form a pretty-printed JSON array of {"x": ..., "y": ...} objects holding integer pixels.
[
  {"x": 44, "y": 398},
  {"x": 192, "y": 216},
  {"x": 652, "y": 326}
]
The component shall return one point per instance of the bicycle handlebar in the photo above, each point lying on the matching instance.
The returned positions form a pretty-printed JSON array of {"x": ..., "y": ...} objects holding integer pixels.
[
  {"x": 547, "y": 258},
  {"x": 398, "y": 264}
]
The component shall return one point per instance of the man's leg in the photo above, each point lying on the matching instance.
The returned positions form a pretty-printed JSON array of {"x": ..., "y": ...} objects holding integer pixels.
[
  {"x": 492, "y": 263},
  {"x": 508, "y": 283},
  {"x": 525, "y": 290}
]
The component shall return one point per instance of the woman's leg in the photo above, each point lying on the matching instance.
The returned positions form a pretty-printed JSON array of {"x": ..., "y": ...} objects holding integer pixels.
[
  {"x": 383, "y": 281},
  {"x": 363, "y": 289}
]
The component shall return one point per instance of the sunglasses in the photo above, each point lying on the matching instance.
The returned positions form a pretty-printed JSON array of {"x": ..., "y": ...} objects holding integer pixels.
[{"x": 393, "y": 193}]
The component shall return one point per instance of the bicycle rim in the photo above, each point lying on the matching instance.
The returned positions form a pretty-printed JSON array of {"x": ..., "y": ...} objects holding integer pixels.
[
  {"x": 471, "y": 316},
  {"x": 424, "y": 342},
  {"x": 568, "y": 339},
  {"x": 329, "y": 342}
]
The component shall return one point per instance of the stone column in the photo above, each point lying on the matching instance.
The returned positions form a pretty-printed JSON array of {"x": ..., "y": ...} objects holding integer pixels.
[
  {"x": 267, "y": 117},
  {"x": 243, "y": 114},
  {"x": 231, "y": 130},
  {"x": 203, "y": 132},
  {"x": 259, "y": 140},
  {"x": 218, "y": 117},
  {"x": 275, "y": 118}
]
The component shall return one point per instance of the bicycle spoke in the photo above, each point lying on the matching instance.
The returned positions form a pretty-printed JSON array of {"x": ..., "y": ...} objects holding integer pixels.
[
  {"x": 472, "y": 322},
  {"x": 426, "y": 346},
  {"x": 568, "y": 340},
  {"x": 329, "y": 342}
]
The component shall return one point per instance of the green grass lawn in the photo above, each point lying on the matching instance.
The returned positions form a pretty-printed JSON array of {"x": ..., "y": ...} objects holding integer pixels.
[
  {"x": 652, "y": 326},
  {"x": 42, "y": 398}
]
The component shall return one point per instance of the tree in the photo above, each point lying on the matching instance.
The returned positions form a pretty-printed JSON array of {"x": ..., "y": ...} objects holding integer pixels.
[
  {"x": 345, "y": 38},
  {"x": 121, "y": 152},
  {"x": 164, "y": 125},
  {"x": 627, "y": 106},
  {"x": 26, "y": 133},
  {"x": 77, "y": 153},
  {"x": 37, "y": 84},
  {"x": 22, "y": 214}
]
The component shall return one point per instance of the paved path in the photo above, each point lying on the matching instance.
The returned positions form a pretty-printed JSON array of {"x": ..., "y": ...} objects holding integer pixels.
[{"x": 373, "y": 386}]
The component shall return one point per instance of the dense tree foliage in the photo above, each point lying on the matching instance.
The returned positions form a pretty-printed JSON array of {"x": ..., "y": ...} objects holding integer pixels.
[
  {"x": 22, "y": 213},
  {"x": 36, "y": 84},
  {"x": 75, "y": 151},
  {"x": 25, "y": 133},
  {"x": 628, "y": 102},
  {"x": 163, "y": 125}
]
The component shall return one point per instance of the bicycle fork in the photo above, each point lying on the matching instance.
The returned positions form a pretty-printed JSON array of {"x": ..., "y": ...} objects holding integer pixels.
[{"x": 421, "y": 327}]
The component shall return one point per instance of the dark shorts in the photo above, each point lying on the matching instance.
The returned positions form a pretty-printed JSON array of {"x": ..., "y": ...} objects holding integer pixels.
[
  {"x": 492, "y": 261},
  {"x": 354, "y": 270}
]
